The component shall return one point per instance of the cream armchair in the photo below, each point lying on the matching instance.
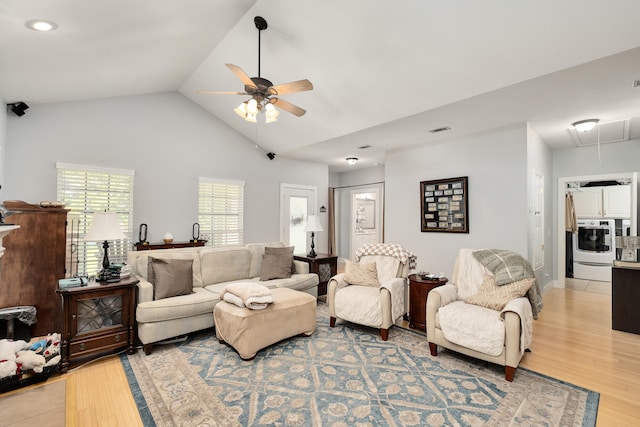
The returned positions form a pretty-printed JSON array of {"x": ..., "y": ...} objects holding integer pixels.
[
  {"x": 496, "y": 335},
  {"x": 376, "y": 305}
]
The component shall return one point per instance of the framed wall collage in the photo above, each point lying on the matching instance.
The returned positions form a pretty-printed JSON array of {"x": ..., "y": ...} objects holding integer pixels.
[{"x": 444, "y": 205}]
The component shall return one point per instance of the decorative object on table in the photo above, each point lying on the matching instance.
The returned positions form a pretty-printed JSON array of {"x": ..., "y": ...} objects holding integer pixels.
[
  {"x": 629, "y": 246},
  {"x": 167, "y": 238},
  {"x": 195, "y": 232},
  {"x": 105, "y": 227},
  {"x": 444, "y": 205},
  {"x": 313, "y": 225},
  {"x": 142, "y": 235},
  {"x": 73, "y": 282}
]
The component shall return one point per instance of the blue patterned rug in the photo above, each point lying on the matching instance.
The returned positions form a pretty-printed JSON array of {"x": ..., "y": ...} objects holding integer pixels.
[{"x": 344, "y": 376}]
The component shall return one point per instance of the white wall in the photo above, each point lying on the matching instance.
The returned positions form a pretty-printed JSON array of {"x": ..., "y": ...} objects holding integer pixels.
[
  {"x": 540, "y": 160},
  {"x": 497, "y": 170},
  {"x": 3, "y": 144},
  {"x": 169, "y": 141}
]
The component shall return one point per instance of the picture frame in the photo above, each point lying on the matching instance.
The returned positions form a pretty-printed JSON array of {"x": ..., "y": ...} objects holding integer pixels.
[{"x": 444, "y": 205}]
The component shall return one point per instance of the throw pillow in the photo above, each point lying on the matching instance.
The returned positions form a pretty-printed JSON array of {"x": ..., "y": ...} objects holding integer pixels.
[
  {"x": 364, "y": 274},
  {"x": 495, "y": 297},
  {"x": 276, "y": 263},
  {"x": 170, "y": 277}
]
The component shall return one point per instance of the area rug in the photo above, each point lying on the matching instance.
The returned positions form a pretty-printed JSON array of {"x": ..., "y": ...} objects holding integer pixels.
[
  {"x": 344, "y": 376},
  {"x": 43, "y": 405}
]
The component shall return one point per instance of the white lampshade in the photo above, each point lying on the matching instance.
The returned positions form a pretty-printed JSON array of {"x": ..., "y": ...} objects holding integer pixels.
[
  {"x": 313, "y": 224},
  {"x": 241, "y": 110},
  {"x": 252, "y": 106},
  {"x": 271, "y": 113},
  {"x": 105, "y": 226}
]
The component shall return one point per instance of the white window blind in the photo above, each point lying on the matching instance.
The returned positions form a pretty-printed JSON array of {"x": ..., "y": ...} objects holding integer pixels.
[
  {"x": 86, "y": 190},
  {"x": 220, "y": 211}
]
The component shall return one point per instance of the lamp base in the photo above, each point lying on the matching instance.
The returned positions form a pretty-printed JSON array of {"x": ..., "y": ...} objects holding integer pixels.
[{"x": 312, "y": 254}]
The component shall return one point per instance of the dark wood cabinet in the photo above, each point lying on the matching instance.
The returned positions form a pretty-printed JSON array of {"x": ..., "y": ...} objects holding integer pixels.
[
  {"x": 324, "y": 265},
  {"x": 625, "y": 299},
  {"x": 172, "y": 245},
  {"x": 97, "y": 319},
  {"x": 33, "y": 261},
  {"x": 419, "y": 289}
]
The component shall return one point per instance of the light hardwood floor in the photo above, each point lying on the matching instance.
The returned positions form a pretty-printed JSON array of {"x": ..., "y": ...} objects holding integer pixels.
[{"x": 573, "y": 341}]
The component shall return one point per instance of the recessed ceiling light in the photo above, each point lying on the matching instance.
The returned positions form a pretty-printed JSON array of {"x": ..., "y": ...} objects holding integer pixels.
[{"x": 41, "y": 25}]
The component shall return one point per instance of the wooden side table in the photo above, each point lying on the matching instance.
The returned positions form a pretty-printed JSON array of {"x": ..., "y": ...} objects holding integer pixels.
[
  {"x": 419, "y": 289},
  {"x": 324, "y": 265},
  {"x": 97, "y": 318}
]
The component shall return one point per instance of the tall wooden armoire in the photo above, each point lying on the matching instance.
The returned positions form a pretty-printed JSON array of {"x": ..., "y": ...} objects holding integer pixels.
[{"x": 33, "y": 261}]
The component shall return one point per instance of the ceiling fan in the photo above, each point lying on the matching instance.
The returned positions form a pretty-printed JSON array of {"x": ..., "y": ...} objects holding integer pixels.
[{"x": 264, "y": 95}]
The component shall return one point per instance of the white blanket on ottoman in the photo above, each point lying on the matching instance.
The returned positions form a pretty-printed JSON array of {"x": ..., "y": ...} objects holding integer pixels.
[{"x": 247, "y": 294}]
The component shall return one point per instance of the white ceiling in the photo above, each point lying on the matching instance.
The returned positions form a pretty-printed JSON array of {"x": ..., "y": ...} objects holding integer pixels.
[{"x": 384, "y": 73}]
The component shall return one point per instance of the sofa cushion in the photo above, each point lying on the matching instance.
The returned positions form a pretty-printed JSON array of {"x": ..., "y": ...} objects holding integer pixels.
[
  {"x": 194, "y": 304},
  {"x": 496, "y": 297},
  {"x": 224, "y": 264},
  {"x": 142, "y": 262},
  {"x": 257, "y": 250},
  {"x": 277, "y": 263},
  {"x": 363, "y": 274},
  {"x": 170, "y": 277},
  {"x": 387, "y": 267},
  {"x": 472, "y": 326}
]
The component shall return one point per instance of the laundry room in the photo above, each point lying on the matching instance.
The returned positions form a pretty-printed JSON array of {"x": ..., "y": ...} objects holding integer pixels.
[{"x": 599, "y": 213}]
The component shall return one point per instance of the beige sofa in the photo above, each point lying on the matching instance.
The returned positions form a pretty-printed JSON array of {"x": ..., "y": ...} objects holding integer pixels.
[{"x": 213, "y": 268}]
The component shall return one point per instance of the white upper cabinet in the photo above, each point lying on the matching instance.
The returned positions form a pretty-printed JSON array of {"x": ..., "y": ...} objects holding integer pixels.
[
  {"x": 617, "y": 201},
  {"x": 603, "y": 202}
]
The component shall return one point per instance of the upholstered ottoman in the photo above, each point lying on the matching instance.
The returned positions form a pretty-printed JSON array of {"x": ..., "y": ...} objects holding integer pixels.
[{"x": 292, "y": 313}]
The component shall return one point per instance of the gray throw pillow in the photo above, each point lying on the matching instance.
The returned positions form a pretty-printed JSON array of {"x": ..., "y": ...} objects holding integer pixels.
[
  {"x": 170, "y": 277},
  {"x": 277, "y": 263}
]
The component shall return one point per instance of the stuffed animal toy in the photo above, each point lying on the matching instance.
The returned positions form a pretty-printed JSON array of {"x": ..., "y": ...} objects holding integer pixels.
[
  {"x": 8, "y": 368},
  {"x": 28, "y": 359},
  {"x": 53, "y": 361},
  {"x": 53, "y": 346},
  {"x": 39, "y": 346}
]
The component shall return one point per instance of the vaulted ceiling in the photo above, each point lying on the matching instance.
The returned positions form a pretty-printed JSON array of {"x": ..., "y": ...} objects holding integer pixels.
[{"x": 384, "y": 73}]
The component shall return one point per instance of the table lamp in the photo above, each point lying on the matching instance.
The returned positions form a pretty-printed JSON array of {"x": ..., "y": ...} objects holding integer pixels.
[
  {"x": 313, "y": 225},
  {"x": 104, "y": 227}
]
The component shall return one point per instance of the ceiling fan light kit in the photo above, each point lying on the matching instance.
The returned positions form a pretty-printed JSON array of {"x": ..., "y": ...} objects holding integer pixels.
[{"x": 263, "y": 93}]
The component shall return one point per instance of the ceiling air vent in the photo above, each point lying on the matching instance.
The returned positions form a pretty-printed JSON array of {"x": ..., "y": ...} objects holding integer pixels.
[
  {"x": 442, "y": 129},
  {"x": 363, "y": 147}
]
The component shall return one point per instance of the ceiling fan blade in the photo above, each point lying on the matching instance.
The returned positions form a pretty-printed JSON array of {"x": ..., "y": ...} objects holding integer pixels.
[
  {"x": 241, "y": 75},
  {"x": 215, "y": 92},
  {"x": 293, "y": 87},
  {"x": 288, "y": 107}
]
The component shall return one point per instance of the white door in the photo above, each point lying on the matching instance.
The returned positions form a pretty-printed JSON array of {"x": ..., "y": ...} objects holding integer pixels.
[
  {"x": 366, "y": 217},
  {"x": 537, "y": 221},
  {"x": 296, "y": 203}
]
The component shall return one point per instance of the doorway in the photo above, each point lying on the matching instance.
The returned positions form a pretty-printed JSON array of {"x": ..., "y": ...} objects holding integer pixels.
[
  {"x": 563, "y": 184},
  {"x": 297, "y": 202}
]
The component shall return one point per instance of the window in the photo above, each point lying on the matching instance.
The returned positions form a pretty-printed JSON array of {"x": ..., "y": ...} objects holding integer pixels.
[
  {"x": 220, "y": 211},
  {"x": 86, "y": 190}
]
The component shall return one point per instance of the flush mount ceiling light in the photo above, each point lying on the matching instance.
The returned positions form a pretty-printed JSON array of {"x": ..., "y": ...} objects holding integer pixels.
[
  {"x": 585, "y": 125},
  {"x": 41, "y": 25},
  {"x": 352, "y": 160},
  {"x": 263, "y": 93}
]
